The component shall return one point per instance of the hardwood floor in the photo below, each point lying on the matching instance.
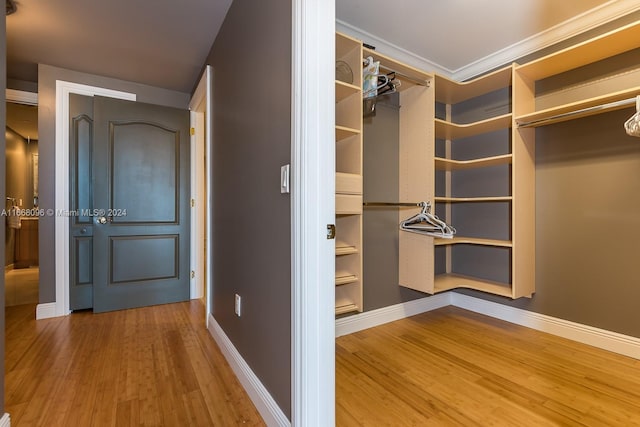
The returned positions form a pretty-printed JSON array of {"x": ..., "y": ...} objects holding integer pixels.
[
  {"x": 451, "y": 367},
  {"x": 154, "y": 366},
  {"x": 21, "y": 286}
]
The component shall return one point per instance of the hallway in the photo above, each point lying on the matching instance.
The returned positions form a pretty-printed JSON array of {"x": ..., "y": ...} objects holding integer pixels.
[{"x": 150, "y": 366}]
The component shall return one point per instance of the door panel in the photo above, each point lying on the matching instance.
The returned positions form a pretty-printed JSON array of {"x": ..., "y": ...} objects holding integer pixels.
[
  {"x": 141, "y": 188},
  {"x": 81, "y": 202},
  {"x": 145, "y": 165}
]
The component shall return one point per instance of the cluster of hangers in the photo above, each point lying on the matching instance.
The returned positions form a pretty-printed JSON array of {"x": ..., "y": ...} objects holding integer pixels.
[
  {"x": 385, "y": 84},
  {"x": 422, "y": 223}
]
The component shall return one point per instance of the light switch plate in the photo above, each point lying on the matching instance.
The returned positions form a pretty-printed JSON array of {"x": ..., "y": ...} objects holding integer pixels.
[{"x": 284, "y": 179}]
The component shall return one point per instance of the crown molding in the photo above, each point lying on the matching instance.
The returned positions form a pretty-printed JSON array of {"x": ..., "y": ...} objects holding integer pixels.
[
  {"x": 593, "y": 18},
  {"x": 391, "y": 49}
]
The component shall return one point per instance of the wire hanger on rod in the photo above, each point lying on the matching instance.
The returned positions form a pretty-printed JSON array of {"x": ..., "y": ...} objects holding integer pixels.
[
  {"x": 427, "y": 223},
  {"x": 632, "y": 126}
]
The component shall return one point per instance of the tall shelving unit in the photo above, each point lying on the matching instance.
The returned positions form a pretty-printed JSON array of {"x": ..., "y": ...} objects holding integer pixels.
[
  {"x": 348, "y": 282},
  {"x": 415, "y": 180},
  {"x": 504, "y": 172}
]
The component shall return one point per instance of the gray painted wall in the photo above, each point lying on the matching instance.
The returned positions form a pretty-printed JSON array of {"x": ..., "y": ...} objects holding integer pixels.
[
  {"x": 47, "y": 76},
  {"x": 587, "y": 217},
  {"x": 3, "y": 112},
  {"x": 251, "y": 58}
]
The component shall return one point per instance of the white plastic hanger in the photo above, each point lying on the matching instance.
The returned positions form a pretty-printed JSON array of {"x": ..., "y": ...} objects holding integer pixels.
[
  {"x": 427, "y": 223},
  {"x": 632, "y": 126}
]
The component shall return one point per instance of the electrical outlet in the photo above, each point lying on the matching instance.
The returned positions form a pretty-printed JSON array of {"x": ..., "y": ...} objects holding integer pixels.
[{"x": 238, "y": 306}]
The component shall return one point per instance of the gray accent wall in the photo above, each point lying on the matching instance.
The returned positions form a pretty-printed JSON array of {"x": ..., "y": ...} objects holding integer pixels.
[
  {"x": 251, "y": 60},
  {"x": 3, "y": 112},
  {"x": 47, "y": 76}
]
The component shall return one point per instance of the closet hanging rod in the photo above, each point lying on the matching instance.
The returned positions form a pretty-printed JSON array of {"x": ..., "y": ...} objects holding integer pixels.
[
  {"x": 426, "y": 83},
  {"x": 595, "y": 108},
  {"x": 380, "y": 204}
]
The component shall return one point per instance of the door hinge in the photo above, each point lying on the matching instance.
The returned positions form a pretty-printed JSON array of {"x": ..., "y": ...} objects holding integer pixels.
[
  {"x": 193, "y": 274},
  {"x": 193, "y": 203},
  {"x": 192, "y": 131}
]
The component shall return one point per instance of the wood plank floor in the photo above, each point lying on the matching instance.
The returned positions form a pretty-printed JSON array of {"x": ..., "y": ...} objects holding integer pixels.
[
  {"x": 451, "y": 367},
  {"x": 154, "y": 366}
]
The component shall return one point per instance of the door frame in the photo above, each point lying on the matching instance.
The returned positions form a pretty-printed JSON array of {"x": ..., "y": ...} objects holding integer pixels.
[
  {"x": 62, "y": 256},
  {"x": 200, "y": 107}
]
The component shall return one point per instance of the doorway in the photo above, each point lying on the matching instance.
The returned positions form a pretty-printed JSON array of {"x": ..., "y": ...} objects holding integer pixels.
[{"x": 21, "y": 263}]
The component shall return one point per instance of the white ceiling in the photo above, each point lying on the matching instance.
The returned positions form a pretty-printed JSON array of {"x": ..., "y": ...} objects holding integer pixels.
[
  {"x": 162, "y": 43},
  {"x": 462, "y": 38}
]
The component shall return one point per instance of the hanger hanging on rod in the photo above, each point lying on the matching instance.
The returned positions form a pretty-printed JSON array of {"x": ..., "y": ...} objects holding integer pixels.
[
  {"x": 428, "y": 224},
  {"x": 632, "y": 126},
  {"x": 422, "y": 223}
]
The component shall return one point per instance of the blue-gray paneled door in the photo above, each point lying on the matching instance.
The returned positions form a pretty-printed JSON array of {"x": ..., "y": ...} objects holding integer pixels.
[{"x": 129, "y": 166}]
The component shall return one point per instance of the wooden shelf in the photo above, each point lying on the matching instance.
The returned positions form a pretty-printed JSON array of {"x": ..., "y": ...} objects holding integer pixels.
[
  {"x": 452, "y": 92},
  {"x": 407, "y": 74},
  {"x": 549, "y": 115},
  {"x": 450, "y": 165},
  {"x": 473, "y": 241},
  {"x": 345, "y": 277},
  {"x": 445, "y": 282},
  {"x": 345, "y": 249},
  {"x": 598, "y": 48},
  {"x": 473, "y": 199},
  {"x": 346, "y": 308},
  {"x": 343, "y": 132},
  {"x": 345, "y": 90},
  {"x": 348, "y": 183},
  {"x": 448, "y": 130}
]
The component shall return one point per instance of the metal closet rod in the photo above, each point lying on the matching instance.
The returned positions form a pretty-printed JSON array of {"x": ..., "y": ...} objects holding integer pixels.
[
  {"x": 418, "y": 204},
  {"x": 426, "y": 83},
  {"x": 595, "y": 108}
]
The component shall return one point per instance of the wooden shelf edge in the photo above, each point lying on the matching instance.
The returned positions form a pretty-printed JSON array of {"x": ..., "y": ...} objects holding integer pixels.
[
  {"x": 347, "y": 308},
  {"x": 530, "y": 119},
  {"x": 346, "y": 250},
  {"x": 446, "y": 282},
  {"x": 587, "y": 52},
  {"x": 473, "y": 241},
  {"x": 449, "y": 91},
  {"x": 345, "y": 280},
  {"x": 450, "y": 130},
  {"x": 343, "y": 132},
  {"x": 449, "y": 164}
]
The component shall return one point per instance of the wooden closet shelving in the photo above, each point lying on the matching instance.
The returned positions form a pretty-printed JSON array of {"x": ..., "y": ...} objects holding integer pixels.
[
  {"x": 348, "y": 282},
  {"x": 448, "y": 132},
  {"x": 532, "y": 109}
]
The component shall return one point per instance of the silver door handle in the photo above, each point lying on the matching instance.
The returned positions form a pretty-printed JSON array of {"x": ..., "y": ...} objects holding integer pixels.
[{"x": 102, "y": 220}]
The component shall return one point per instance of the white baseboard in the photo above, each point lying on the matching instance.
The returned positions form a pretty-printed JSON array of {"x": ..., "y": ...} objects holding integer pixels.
[
  {"x": 5, "y": 421},
  {"x": 45, "y": 311},
  {"x": 596, "y": 337},
  {"x": 601, "y": 338},
  {"x": 262, "y": 399},
  {"x": 369, "y": 319}
]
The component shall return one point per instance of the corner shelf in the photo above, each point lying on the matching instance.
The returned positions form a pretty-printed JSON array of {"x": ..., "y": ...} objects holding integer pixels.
[
  {"x": 452, "y": 92},
  {"x": 450, "y": 165},
  {"x": 449, "y": 130},
  {"x": 473, "y": 241},
  {"x": 446, "y": 282}
]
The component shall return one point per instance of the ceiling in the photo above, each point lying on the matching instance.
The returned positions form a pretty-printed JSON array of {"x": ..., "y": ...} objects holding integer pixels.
[
  {"x": 462, "y": 38},
  {"x": 164, "y": 43}
]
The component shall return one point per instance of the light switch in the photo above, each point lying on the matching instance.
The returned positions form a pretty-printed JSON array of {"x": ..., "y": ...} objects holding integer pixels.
[{"x": 284, "y": 179}]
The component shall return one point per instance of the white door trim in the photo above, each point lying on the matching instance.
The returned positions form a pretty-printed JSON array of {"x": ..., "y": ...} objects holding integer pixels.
[
  {"x": 200, "y": 106},
  {"x": 312, "y": 208}
]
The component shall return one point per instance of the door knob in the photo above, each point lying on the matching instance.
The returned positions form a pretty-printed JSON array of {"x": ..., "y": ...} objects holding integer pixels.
[{"x": 102, "y": 220}]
